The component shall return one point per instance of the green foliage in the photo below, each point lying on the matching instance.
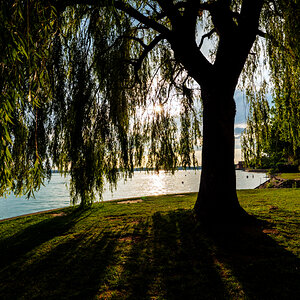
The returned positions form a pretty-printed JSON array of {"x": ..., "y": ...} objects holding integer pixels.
[
  {"x": 273, "y": 134},
  {"x": 77, "y": 88},
  {"x": 89, "y": 88},
  {"x": 256, "y": 137},
  {"x": 26, "y": 29}
]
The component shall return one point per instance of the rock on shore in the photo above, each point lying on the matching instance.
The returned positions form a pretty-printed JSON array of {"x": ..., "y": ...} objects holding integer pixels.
[{"x": 277, "y": 183}]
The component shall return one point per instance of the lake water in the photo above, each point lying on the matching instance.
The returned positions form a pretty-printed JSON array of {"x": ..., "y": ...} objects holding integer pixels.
[{"x": 56, "y": 195}]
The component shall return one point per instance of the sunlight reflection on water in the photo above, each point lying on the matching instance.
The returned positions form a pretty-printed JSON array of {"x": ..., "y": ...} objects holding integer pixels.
[{"x": 55, "y": 194}]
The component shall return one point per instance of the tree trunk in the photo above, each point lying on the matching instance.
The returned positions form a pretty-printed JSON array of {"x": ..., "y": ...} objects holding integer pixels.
[{"x": 217, "y": 199}]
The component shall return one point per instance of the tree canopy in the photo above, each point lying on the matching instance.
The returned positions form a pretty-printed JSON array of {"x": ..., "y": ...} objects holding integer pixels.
[
  {"x": 272, "y": 136},
  {"x": 89, "y": 87}
]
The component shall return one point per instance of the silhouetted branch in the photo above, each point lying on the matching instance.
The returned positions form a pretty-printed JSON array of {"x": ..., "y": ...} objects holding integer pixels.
[
  {"x": 134, "y": 38},
  {"x": 147, "y": 49},
  {"x": 276, "y": 10},
  {"x": 137, "y": 63},
  {"x": 125, "y": 7},
  {"x": 207, "y": 35}
]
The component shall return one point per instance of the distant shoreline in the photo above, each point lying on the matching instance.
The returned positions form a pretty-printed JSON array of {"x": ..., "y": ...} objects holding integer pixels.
[
  {"x": 153, "y": 169},
  {"x": 189, "y": 168},
  {"x": 256, "y": 170}
]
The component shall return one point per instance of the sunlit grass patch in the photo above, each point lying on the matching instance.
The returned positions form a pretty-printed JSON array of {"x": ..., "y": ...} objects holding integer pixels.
[{"x": 289, "y": 176}]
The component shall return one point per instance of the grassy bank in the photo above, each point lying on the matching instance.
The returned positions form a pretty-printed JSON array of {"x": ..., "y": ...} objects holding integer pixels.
[
  {"x": 289, "y": 176},
  {"x": 153, "y": 249}
]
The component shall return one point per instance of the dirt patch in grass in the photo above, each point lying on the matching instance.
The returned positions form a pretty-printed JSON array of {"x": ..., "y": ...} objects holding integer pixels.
[
  {"x": 130, "y": 201},
  {"x": 126, "y": 239},
  {"x": 61, "y": 214},
  {"x": 271, "y": 231},
  {"x": 130, "y": 238},
  {"x": 134, "y": 222}
]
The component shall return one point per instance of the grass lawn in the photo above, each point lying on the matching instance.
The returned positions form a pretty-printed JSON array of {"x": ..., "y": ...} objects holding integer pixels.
[
  {"x": 289, "y": 175},
  {"x": 153, "y": 249}
]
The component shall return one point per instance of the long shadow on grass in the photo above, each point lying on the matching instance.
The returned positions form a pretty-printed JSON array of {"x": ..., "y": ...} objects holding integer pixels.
[
  {"x": 263, "y": 268},
  {"x": 73, "y": 267},
  {"x": 167, "y": 256},
  {"x": 34, "y": 235},
  {"x": 170, "y": 260},
  {"x": 173, "y": 257}
]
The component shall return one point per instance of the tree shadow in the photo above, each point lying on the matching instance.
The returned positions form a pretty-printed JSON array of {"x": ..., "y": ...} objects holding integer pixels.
[
  {"x": 174, "y": 257},
  {"x": 263, "y": 268},
  {"x": 74, "y": 268},
  {"x": 166, "y": 256},
  {"x": 169, "y": 260},
  {"x": 34, "y": 235}
]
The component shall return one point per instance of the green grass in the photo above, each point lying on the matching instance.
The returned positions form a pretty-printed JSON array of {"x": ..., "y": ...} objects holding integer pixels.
[
  {"x": 153, "y": 250},
  {"x": 289, "y": 175}
]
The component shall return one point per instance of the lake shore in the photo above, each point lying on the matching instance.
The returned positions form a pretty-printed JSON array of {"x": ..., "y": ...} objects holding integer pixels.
[
  {"x": 56, "y": 194},
  {"x": 279, "y": 183}
]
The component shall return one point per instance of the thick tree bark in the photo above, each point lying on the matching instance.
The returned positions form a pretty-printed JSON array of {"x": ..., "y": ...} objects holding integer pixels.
[{"x": 217, "y": 199}]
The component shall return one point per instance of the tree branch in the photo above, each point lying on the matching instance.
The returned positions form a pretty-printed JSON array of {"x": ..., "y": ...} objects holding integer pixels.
[
  {"x": 249, "y": 16},
  {"x": 141, "y": 18},
  {"x": 276, "y": 10},
  {"x": 207, "y": 35},
  {"x": 236, "y": 40},
  {"x": 134, "y": 38},
  {"x": 147, "y": 49},
  {"x": 190, "y": 15},
  {"x": 177, "y": 6},
  {"x": 222, "y": 18},
  {"x": 169, "y": 9},
  {"x": 137, "y": 63},
  {"x": 271, "y": 37},
  {"x": 125, "y": 7}
]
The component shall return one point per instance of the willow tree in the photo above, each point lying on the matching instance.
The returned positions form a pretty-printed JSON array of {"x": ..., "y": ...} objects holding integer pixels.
[
  {"x": 272, "y": 136},
  {"x": 79, "y": 77}
]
